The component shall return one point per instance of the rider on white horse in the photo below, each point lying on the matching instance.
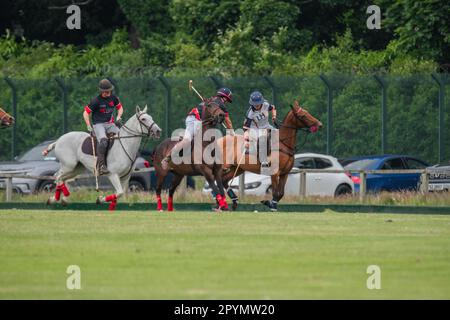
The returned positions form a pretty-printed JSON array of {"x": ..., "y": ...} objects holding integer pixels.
[
  {"x": 102, "y": 110},
  {"x": 256, "y": 123}
]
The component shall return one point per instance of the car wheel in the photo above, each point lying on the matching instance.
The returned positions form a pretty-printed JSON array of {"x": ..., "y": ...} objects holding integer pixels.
[
  {"x": 135, "y": 186},
  {"x": 342, "y": 189},
  {"x": 47, "y": 186}
]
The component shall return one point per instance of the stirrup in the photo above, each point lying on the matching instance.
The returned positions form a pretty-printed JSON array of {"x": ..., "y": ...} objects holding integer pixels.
[{"x": 102, "y": 170}]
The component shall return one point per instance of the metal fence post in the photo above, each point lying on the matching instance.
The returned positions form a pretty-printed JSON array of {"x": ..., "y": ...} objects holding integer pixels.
[
  {"x": 168, "y": 88},
  {"x": 216, "y": 82},
  {"x": 273, "y": 87},
  {"x": 382, "y": 83},
  {"x": 63, "y": 88},
  {"x": 14, "y": 107},
  {"x": 441, "y": 102},
  {"x": 329, "y": 113}
]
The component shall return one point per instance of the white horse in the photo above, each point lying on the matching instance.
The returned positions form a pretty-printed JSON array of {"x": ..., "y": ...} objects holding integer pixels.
[{"x": 121, "y": 157}]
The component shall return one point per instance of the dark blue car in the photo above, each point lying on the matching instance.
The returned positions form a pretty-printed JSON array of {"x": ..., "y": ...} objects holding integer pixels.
[{"x": 389, "y": 181}]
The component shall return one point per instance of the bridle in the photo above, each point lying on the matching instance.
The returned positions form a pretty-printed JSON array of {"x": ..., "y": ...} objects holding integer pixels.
[
  {"x": 300, "y": 118},
  {"x": 134, "y": 134},
  {"x": 4, "y": 115}
]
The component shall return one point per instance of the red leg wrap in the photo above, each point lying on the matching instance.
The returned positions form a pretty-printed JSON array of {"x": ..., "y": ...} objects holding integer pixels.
[
  {"x": 64, "y": 190},
  {"x": 112, "y": 205},
  {"x": 111, "y": 197},
  {"x": 159, "y": 205},
  {"x": 170, "y": 204},
  {"x": 58, "y": 193}
]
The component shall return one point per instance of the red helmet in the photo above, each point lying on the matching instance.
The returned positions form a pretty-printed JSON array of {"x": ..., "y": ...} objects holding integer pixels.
[{"x": 225, "y": 93}]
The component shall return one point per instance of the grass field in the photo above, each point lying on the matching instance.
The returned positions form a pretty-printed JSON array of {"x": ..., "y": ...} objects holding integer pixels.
[{"x": 148, "y": 255}]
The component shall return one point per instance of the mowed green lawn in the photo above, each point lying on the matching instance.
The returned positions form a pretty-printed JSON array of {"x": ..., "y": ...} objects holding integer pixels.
[{"x": 188, "y": 255}]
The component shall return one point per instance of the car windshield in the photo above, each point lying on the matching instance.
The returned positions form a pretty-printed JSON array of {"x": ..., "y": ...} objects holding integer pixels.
[
  {"x": 361, "y": 164},
  {"x": 35, "y": 154}
]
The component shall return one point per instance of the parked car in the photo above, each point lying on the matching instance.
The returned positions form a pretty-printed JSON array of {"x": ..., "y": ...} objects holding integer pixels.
[
  {"x": 386, "y": 181},
  {"x": 34, "y": 163},
  {"x": 439, "y": 177},
  {"x": 320, "y": 184}
]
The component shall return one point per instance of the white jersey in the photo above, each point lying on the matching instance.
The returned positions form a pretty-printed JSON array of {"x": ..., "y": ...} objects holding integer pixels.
[{"x": 258, "y": 119}]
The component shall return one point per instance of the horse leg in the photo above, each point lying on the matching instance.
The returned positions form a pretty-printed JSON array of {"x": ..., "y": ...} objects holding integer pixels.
[
  {"x": 218, "y": 173},
  {"x": 226, "y": 178},
  {"x": 112, "y": 198},
  {"x": 161, "y": 175},
  {"x": 278, "y": 195},
  {"x": 275, "y": 194},
  {"x": 209, "y": 176},
  {"x": 175, "y": 183},
  {"x": 64, "y": 174}
]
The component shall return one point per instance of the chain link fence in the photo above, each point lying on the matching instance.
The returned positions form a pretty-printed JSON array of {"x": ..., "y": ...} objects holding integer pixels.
[{"x": 361, "y": 114}]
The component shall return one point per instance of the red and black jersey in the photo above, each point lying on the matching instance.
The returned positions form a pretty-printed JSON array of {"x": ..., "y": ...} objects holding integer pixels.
[
  {"x": 198, "y": 111},
  {"x": 102, "y": 109}
]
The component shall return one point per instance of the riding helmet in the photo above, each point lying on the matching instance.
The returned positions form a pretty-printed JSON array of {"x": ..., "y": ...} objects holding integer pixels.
[
  {"x": 105, "y": 85},
  {"x": 226, "y": 93},
  {"x": 256, "y": 98}
]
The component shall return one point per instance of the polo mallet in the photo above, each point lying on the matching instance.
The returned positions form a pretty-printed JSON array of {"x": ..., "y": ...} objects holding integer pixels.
[
  {"x": 95, "y": 162},
  {"x": 191, "y": 87},
  {"x": 237, "y": 168}
]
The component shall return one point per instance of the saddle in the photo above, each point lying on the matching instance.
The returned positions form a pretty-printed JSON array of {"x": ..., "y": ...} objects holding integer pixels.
[{"x": 86, "y": 147}]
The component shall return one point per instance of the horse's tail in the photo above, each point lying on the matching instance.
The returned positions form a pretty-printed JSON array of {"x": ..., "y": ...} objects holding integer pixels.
[{"x": 49, "y": 148}]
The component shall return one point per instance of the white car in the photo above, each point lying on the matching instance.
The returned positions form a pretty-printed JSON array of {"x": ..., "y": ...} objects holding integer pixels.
[{"x": 317, "y": 184}]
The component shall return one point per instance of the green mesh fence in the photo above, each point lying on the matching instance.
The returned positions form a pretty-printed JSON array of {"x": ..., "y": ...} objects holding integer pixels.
[{"x": 412, "y": 123}]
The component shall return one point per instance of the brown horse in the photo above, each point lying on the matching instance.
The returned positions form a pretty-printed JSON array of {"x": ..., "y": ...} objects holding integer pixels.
[
  {"x": 296, "y": 119},
  {"x": 6, "y": 120},
  {"x": 212, "y": 115}
]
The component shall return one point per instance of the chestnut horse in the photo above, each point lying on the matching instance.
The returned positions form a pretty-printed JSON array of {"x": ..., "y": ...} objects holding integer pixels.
[
  {"x": 6, "y": 120},
  {"x": 296, "y": 119},
  {"x": 212, "y": 115}
]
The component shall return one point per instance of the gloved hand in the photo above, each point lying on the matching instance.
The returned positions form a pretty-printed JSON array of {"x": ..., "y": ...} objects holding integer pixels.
[
  {"x": 118, "y": 123},
  {"x": 275, "y": 123},
  {"x": 90, "y": 129},
  {"x": 231, "y": 131}
]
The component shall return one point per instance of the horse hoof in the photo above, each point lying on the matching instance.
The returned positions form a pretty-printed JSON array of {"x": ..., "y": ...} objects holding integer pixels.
[
  {"x": 234, "y": 206},
  {"x": 48, "y": 202},
  {"x": 266, "y": 203},
  {"x": 273, "y": 209}
]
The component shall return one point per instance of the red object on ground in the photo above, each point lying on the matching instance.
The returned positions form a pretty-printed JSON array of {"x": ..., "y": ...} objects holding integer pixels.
[{"x": 170, "y": 204}]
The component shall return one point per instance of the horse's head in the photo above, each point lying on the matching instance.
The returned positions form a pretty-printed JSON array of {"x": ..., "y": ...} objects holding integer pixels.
[
  {"x": 301, "y": 118},
  {"x": 147, "y": 125},
  {"x": 213, "y": 114},
  {"x": 6, "y": 120}
]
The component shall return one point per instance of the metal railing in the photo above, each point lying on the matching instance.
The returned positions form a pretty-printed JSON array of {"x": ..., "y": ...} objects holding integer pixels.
[
  {"x": 9, "y": 175},
  {"x": 424, "y": 180}
]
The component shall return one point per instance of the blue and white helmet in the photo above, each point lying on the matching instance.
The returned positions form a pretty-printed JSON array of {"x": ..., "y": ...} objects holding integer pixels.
[{"x": 256, "y": 98}]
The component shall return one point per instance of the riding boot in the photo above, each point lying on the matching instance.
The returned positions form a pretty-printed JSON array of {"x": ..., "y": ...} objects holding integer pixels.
[
  {"x": 165, "y": 162},
  {"x": 101, "y": 161}
]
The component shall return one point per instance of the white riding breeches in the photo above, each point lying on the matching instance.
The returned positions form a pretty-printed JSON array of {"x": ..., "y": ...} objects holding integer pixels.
[{"x": 192, "y": 127}]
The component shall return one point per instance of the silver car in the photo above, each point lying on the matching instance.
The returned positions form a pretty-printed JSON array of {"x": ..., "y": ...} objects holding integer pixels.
[{"x": 34, "y": 163}]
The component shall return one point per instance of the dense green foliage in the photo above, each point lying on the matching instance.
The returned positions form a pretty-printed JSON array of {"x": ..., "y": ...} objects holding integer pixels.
[{"x": 239, "y": 42}]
